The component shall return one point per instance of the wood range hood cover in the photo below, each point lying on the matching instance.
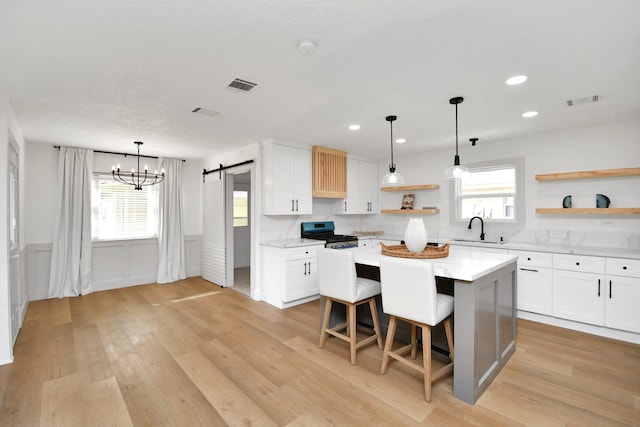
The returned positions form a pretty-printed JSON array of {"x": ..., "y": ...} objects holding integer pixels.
[{"x": 329, "y": 173}]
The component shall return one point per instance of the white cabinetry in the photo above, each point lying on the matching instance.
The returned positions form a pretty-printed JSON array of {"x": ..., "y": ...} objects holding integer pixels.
[
  {"x": 290, "y": 275},
  {"x": 287, "y": 177},
  {"x": 535, "y": 281},
  {"x": 368, "y": 243},
  {"x": 362, "y": 189},
  {"x": 579, "y": 288},
  {"x": 622, "y": 294}
]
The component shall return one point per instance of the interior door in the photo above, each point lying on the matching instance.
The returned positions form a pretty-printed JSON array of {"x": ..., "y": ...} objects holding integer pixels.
[
  {"x": 15, "y": 288},
  {"x": 214, "y": 236}
]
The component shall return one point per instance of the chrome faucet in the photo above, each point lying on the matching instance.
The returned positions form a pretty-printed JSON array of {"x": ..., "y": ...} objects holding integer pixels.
[{"x": 481, "y": 226}]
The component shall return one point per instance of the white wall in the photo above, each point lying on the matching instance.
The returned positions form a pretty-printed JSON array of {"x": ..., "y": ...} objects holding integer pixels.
[
  {"x": 116, "y": 263},
  {"x": 42, "y": 161},
  {"x": 602, "y": 147}
]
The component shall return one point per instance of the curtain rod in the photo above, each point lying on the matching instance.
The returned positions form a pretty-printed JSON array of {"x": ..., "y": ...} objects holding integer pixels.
[
  {"x": 120, "y": 154},
  {"x": 221, "y": 168}
]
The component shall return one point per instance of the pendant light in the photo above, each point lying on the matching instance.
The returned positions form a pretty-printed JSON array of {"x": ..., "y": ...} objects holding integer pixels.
[
  {"x": 456, "y": 170},
  {"x": 392, "y": 178}
]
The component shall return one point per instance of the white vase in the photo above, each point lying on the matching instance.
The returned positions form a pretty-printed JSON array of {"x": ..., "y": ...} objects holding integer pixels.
[{"x": 415, "y": 236}]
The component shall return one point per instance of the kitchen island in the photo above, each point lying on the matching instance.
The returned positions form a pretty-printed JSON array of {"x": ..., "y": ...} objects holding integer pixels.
[{"x": 485, "y": 311}]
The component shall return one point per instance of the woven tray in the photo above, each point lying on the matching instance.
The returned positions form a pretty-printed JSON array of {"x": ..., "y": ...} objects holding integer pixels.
[{"x": 401, "y": 251}]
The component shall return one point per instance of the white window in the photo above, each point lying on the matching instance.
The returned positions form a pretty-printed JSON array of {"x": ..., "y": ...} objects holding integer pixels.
[
  {"x": 118, "y": 211},
  {"x": 493, "y": 191},
  {"x": 240, "y": 208}
]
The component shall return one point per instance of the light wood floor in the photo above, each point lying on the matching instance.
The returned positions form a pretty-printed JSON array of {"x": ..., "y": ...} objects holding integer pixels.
[{"x": 192, "y": 353}]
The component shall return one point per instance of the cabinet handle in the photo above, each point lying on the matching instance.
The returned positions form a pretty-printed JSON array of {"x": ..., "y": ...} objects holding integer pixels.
[
  {"x": 529, "y": 269},
  {"x": 577, "y": 263},
  {"x": 624, "y": 267},
  {"x": 296, "y": 205},
  {"x": 609, "y": 289},
  {"x": 598, "y": 287},
  {"x": 292, "y": 206},
  {"x": 528, "y": 259},
  {"x": 345, "y": 205},
  {"x": 309, "y": 268},
  {"x": 305, "y": 268}
]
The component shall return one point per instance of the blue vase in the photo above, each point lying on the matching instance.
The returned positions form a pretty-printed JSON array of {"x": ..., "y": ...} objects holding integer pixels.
[{"x": 602, "y": 201}]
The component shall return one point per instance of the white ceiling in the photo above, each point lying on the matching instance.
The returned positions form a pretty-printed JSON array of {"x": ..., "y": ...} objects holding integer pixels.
[{"x": 102, "y": 74}]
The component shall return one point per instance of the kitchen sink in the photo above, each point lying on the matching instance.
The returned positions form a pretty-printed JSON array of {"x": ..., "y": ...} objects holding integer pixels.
[{"x": 489, "y": 242}]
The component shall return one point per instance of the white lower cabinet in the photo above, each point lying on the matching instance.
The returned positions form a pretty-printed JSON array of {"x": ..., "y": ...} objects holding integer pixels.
[
  {"x": 578, "y": 296},
  {"x": 622, "y": 294},
  {"x": 301, "y": 279},
  {"x": 535, "y": 281},
  {"x": 598, "y": 291},
  {"x": 289, "y": 275},
  {"x": 368, "y": 243}
]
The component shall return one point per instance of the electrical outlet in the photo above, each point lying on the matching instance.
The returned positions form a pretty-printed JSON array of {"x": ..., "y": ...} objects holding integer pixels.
[{"x": 558, "y": 233}]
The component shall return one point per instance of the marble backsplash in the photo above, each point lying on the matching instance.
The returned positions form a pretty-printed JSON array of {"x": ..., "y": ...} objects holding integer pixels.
[{"x": 288, "y": 227}]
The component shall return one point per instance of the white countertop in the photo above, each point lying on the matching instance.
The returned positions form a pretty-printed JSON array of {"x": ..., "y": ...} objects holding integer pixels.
[
  {"x": 293, "y": 243},
  {"x": 459, "y": 265},
  {"x": 538, "y": 247}
]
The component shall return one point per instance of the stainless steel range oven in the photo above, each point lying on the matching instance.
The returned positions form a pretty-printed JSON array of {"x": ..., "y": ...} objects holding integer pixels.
[{"x": 325, "y": 230}]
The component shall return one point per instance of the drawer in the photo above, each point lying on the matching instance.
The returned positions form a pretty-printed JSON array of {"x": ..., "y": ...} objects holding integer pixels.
[
  {"x": 586, "y": 264},
  {"x": 623, "y": 267},
  {"x": 533, "y": 259},
  {"x": 301, "y": 252}
]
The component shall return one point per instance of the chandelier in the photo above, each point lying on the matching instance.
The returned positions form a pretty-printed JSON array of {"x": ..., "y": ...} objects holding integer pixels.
[{"x": 137, "y": 179}]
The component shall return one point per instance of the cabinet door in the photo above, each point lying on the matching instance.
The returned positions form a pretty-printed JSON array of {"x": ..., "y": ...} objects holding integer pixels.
[
  {"x": 622, "y": 295},
  {"x": 282, "y": 189},
  {"x": 579, "y": 296},
  {"x": 535, "y": 292},
  {"x": 369, "y": 185},
  {"x": 311, "y": 285},
  {"x": 295, "y": 280},
  {"x": 351, "y": 204},
  {"x": 302, "y": 181}
]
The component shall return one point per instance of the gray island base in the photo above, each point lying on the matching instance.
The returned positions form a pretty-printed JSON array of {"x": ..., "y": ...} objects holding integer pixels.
[{"x": 485, "y": 313}]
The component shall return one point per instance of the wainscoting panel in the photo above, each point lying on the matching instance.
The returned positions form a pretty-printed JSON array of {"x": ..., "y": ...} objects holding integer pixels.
[{"x": 115, "y": 264}]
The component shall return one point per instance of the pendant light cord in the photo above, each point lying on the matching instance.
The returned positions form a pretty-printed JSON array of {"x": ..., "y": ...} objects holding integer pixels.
[
  {"x": 391, "y": 123},
  {"x": 456, "y": 129}
]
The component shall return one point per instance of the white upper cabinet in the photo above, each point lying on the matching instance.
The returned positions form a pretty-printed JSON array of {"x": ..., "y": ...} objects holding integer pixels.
[
  {"x": 286, "y": 180},
  {"x": 362, "y": 189}
]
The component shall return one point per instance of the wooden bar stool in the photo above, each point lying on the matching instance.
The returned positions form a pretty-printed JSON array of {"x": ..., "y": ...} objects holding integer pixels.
[
  {"x": 339, "y": 283},
  {"x": 409, "y": 294}
]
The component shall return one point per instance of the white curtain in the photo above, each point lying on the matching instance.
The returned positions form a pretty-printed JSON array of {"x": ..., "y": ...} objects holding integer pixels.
[
  {"x": 171, "y": 262},
  {"x": 71, "y": 255}
]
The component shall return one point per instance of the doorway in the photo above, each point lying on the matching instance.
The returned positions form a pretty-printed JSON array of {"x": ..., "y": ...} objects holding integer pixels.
[{"x": 240, "y": 224}]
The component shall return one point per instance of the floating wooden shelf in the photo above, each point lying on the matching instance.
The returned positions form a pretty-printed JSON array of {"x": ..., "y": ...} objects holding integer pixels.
[
  {"x": 411, "y": 187},
  {"x": 609, "y": 173},
  {"x": 410, "y": 211},
  {"x": 589, "y": 211}
]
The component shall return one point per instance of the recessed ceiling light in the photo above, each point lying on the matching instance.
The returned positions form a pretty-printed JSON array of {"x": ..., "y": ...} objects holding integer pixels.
[
  {"x": 529, "y": 114},
  {"x": 400, "y": 141},
  {"x": 354, "y": 127},
  {"x": 516, "y": 80}
]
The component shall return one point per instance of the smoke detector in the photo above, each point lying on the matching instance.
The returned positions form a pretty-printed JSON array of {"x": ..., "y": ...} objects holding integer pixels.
[{"x": 307, "y": 47}]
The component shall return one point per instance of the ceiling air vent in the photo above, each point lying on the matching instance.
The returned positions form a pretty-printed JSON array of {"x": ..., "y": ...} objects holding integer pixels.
[
  {"x": 584, "y": 100},
  {"x": 206, "y": 112},
  {"x": 242, "y": 85}
]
